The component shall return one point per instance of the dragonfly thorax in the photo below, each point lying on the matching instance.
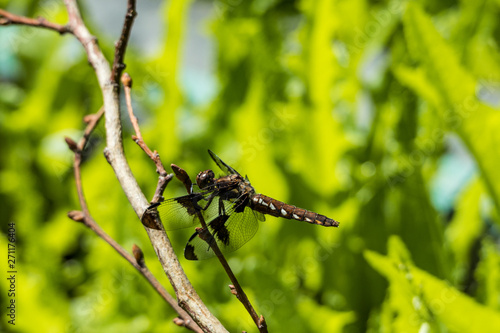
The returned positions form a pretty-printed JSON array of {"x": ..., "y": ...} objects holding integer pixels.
[{"x": 233, "y": 186}]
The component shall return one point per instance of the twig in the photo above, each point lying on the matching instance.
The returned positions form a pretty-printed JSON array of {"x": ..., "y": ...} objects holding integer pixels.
[
  {"x": 187, "y": 297},
  {"x": 138, "y": 262},
  {"x": 148, "y": 219},
  {"x": 204, "y": 234},
  {"x": 85, "y": 217},
  {"x": 7, "y": 18},
  {"x": 121, "y": 44},
  {"x": 164, "y": 178}
]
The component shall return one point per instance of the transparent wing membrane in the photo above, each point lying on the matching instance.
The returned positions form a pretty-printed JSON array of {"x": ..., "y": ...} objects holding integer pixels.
[
  {"x": 181, "y": 212},
  {"x": 230, "y": 231}
]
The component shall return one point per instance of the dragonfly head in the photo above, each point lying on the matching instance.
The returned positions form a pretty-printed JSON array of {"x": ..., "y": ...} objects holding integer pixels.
[{"x": 205, "y": 178}]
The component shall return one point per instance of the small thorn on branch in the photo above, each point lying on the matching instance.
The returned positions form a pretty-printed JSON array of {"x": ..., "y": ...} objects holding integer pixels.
[
  {"x": 262, "y": 322},
  {"x": 107, "y": 155},
  {"x": 76, "y": 215},
  {"x": 232, "y": 288}
]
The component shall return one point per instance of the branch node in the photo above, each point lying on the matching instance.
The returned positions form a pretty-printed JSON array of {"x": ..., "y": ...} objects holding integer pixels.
[
  {"x": 262, "y": 323},
  {"x": 87, "y": 119},
  {"x": 232, "y": 288},
  {"x": 107, "y": 154},
  {"x": 76, "y": 215},
  {"x": 179, "y": 322},
  {"x": 131, "y": 14}
]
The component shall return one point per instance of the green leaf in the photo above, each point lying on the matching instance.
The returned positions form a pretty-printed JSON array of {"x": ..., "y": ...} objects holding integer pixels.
[
  {"x": 488, "y": 275},
  {"x": 460, "y": 111},
  {"x": 433, "y": 301},
  {"x": 458, "y": 311},
  {"x": 466, "y": 225},
  {"x": 321, "y": 317}
]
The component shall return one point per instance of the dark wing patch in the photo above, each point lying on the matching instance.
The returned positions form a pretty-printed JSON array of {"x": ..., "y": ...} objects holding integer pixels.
[
  {"x": 223, "y": 166},
  {"x": 189, "y": 250},
  {"x": 230, "y": 230},
  {"x": 220, "y": 232}
]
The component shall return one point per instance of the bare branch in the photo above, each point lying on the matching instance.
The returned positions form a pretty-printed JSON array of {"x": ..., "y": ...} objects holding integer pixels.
[
  {"x": 91, "y": 120},
  {"x": 140, "y": 266},
  {"x": 164, "y": 178},
  {"x": 7, "y": 18},
  {"x": 127, "y": 85},
  {"x": 121, "y": 44},
  {"x": 84, "y": 216},
  {"x": 188, "y": 299}
]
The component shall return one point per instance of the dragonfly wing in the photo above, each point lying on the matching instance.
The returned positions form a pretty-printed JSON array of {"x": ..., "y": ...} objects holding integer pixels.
[
  {"x": 229, "y": 230},
  {"x": 220, "y": 163},
  {"x": 181, "y": 212}
]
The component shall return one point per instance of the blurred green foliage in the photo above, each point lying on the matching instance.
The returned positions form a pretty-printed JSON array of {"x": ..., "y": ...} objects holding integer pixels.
[{"x": 383, "y": 115}]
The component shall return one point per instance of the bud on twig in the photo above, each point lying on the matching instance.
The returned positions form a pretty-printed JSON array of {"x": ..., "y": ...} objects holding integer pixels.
[
  {"x": 233, "y": 290},
  {"x": 182, "y": 175},
  {"x": 71, "y": 144},
  {"x": 76, "y": 215},
  {"x": 138, "y": 255},
  {"x": 88, "y": 118},
  {"x": 126, "y": 80},
  {"x": 179, "y": 322}
]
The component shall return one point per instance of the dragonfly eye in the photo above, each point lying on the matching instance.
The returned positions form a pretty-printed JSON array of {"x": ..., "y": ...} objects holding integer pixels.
[{"x": 205, "y": 178}]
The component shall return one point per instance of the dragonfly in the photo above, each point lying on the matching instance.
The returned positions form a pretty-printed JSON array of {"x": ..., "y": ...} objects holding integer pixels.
[{"x": 231, "y": 209}]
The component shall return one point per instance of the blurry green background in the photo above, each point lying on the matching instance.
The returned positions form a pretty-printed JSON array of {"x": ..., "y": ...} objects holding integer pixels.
[{"x": 383, "y": 115}]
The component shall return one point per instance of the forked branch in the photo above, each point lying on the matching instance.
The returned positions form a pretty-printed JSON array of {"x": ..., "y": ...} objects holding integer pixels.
[
  {"x": 85, "y": 217},
  {"x": 108, "y": 82}
]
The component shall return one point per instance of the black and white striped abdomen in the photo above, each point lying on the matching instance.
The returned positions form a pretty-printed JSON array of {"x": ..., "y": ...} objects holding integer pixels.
[{"x": 270, "y": 206}]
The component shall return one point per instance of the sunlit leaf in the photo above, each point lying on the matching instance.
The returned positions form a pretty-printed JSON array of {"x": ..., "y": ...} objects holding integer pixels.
[
  {"x": 419, "y": 295},
  {"x": 460, "y": 111}
]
